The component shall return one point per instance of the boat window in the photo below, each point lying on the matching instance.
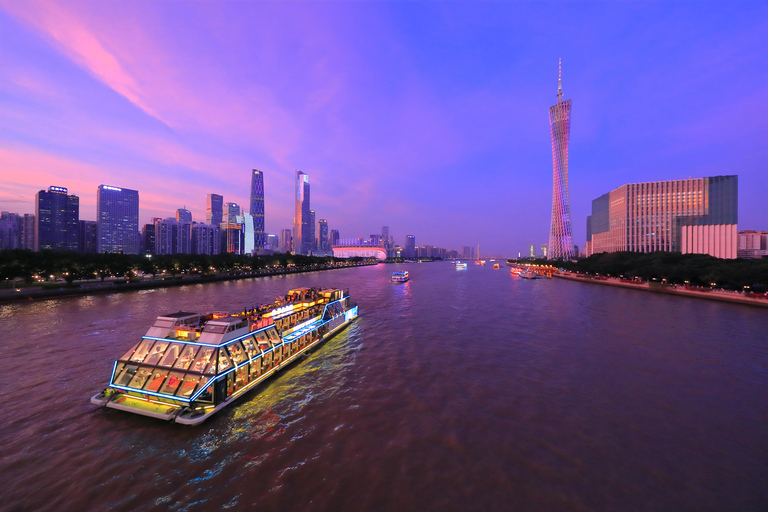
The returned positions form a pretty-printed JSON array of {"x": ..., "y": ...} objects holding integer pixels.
[
  {"x": 255, "y": 368},
  {"x": 188, "y": 386},
  {"x": 140, "y": 378},
  {"x": 216, "y": 329},
  {"x": 141, "y": 352},
  {"x": 156, "y": 353},
  {"x": 250, "y": 347},
  {"x": 128, "y": 354},
  {"x": 237, "y": 353},
  {"x": 261, "y": 337},
  {"x": 272, "y": 333},
  {"x": 224, "y": 361},
  {"x": 187, "y": 356},
  {"x": 171, "y": 354},
  {"x": 156, "y": 380},
  {"x": 207, "y": 395},
  {"x": 171, "y": 383},
  {"x": 124, "y": 377},
  {"x": 202, "y": 360},
  {"x": 241, "y": 377}
]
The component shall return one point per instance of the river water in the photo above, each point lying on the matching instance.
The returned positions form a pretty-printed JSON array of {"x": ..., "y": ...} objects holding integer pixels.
[{"x": 459, "y": 390}]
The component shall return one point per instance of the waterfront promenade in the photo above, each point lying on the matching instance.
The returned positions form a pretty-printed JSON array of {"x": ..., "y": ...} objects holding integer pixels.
[
  {"x": 753, "y": 299},
  {"x": 121, "y": 285}
]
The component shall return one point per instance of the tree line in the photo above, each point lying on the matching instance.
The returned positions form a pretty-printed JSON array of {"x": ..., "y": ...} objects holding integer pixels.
[{"x": 70, "y": 266}]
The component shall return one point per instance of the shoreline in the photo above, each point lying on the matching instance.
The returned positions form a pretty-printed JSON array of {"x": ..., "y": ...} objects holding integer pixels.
[
  {"x": 732, "y": 297},
  {"x": 96, "y": 287}
]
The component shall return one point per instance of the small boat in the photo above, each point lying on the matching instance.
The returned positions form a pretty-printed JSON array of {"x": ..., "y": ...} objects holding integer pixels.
[
  {"x": 495, "y": 265},
  {"x": 529, "y": 274},
  {"x": 461, "y": 266},
  {"x": 400, "y": 277}
]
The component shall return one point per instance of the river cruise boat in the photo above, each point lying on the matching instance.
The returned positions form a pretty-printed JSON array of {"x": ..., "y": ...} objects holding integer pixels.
[
  {"x": 461, "y": 266},
  {"x": 400, "y": 277},
  {"x": 529, "y": 274},
  {"x": 191, "y": 365}
]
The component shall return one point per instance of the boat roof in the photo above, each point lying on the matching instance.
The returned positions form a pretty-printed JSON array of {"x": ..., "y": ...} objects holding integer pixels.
[{"x": 180, "y": 314}]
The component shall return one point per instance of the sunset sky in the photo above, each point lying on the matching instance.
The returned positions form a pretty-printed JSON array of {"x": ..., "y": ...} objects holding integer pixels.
[{"x": 429, "y": 117}]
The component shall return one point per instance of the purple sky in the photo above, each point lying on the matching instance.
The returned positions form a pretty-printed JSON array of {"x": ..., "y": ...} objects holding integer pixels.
[{"x": 429, "y": 117}]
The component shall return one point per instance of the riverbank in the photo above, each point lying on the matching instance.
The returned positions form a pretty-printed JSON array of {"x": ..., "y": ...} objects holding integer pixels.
[
  {"x": 719, "y": 295},
  {"x": 114, "y": 286}
]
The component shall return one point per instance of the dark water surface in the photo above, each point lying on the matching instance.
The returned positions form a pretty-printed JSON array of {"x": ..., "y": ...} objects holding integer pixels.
[{"x": 455, "y": 391}]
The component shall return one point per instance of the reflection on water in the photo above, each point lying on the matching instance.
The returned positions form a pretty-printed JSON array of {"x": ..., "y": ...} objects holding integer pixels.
[{"x": 466, "y": 390}]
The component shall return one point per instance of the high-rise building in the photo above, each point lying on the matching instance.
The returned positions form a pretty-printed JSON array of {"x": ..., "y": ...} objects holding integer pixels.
[
  {"x": 560, "y": 232},
  {"x": 322, "y": 236},
  {"x": 231, "y": 212},
  {"x": 117, "y": 220},
  {"x": 214, "y": 209},
  {"x": 302, "y": 227},
  {"x": 410, "y": 246},
  {"x": 544, "y": 250},
  {"x": 752, "y": 244},
  {"x": 257, "y": 209},
  {"x": 58, "y": 220},
  {"x": 28, "y": 231},
  {"x": 273, "y": 242},
  {"x": 696, "y": 215},
  {"x": 148, "y": 238},
  {"x": 532, "y": 251},
  {"x": 183, "y": 215},
  {"x": 312, "y": 233},
  {"x": 334, "y": 238},
  {"x": 205, "y": 239},
  {"x": 10, "y": 230},
  {"x": 87, "y": 237},
  {"x": 286, "y": 237}
]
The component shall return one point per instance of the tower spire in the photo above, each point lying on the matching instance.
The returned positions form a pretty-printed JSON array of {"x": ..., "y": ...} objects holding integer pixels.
[{"x": 559, "y": 80}]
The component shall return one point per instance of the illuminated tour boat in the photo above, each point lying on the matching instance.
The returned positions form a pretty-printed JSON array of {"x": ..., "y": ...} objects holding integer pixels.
[
  {"x": 190, "y": 365},
  {"x": 400, "y": 277},
  {"x": 461, "y": 266}
]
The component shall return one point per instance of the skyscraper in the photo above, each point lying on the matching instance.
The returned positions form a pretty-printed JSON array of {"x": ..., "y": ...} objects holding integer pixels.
[
  {"x": 231, "y": 212},
  {"x": 334, "y": 238},
  {"x": 302, "y": 228},
  {"x": 214, "y": 204},
  {"x": 183, "y": 215},
  {"x": 285, "y": 240},
  {"x": 57, "y": 216},
  {"x": 322, "y": 236},
  {"x": 257, "y": 208},
  {"x": 117, "y": 220},
  {"x": 312, "y": 235},
  {"x": 410, "y": 246},
  {"x": 560, "y": 232}
]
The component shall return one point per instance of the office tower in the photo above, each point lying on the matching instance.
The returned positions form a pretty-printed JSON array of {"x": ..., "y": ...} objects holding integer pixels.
[
  {"x": 312, "y": 233},
  {"x": 205, "y": 239},
  {"x": 148, "y": 238},
  {"x": 286, "y": 237},
  {"x": 544, "y": 250},
  {"x": 466, "y": 252},
  {"x": 257, "y": 208},
  {"x": 173, "y": 237},
  {"x": 117, "y": 222},
  {"x": 410, "y": 246},
  {"x": 10, "y": 230},
  {"x": 752, "y": 244},
  {"x": 214, "y": 209},
  {"x": 183, "y": 215},
  {"x": 697, "y": 215},
  {"x": 322, "y": 236},
  {"x": 58, "y": 220},
  {"x": 334, "y": 238},
  {"x": 560, "y": 233},
  {"x": 246, "y": 221},
  {"x": 272, "y": 242},
  {"x": 230, "y": 214},
  {"x": 87, "y": 237},
  {"x": 302, "y": 228},
  {"x": 28, "y": 231},
  {"x": 532, "y": 251}
]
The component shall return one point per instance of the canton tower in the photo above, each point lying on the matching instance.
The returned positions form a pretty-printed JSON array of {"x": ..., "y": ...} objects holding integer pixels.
[{"x": 560, "y": 233}]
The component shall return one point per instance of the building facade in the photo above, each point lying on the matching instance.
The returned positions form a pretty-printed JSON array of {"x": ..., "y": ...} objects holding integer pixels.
[
  {"x": 183, "y": 215},
  {"x": 214, "y": 209},
  {"x": 286, "y": 240},
  {"x": 57, "y": 217},
  {"x": 117, "y": 220},
  {"x": 206, "y": 239},
  {"x": 87, "y": 237},
  {"x": 410, "y": 247},
  {"x": 560, "y": 231},
  {"x": 696, "y": 215},
  {"x": 10, "y": 230},
  {"x": 257, "y": 209},
  {"x": 322, "y": 236},
  {"x": 752, "y": 244},
  {"x": 302, "y": 226}
]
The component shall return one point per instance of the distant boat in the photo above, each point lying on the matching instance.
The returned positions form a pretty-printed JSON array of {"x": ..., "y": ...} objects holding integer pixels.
[
  {"x": 495, "y": 265},
  {"x": 529, "y": 274},
  {"x": 461, "y": 266},
  {"x": 400, "y": 277}
]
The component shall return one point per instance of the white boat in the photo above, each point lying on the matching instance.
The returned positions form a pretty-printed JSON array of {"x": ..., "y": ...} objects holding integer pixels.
[
  {"x": 400, "y": 277},
  {"x": 461, "y": 266}
]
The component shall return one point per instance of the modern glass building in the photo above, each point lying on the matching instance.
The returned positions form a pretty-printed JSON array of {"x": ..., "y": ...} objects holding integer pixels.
[
  {"x": 257, "y": 209},
  {"x": 214, "y": 209},
  {"x": 57, "y": 217},
  {"x": 560, "y": 231},
  {"x": 322, "y": 236},
  {"x": 410, "y": 247},
  {"x": 697, "y": 215},
  {"x": 117, "y": 222},
  {"x": 302, "y": 226}
]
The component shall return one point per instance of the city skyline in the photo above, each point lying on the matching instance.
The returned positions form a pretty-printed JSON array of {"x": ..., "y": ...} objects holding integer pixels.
[{"x": 454, "y": 150}]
